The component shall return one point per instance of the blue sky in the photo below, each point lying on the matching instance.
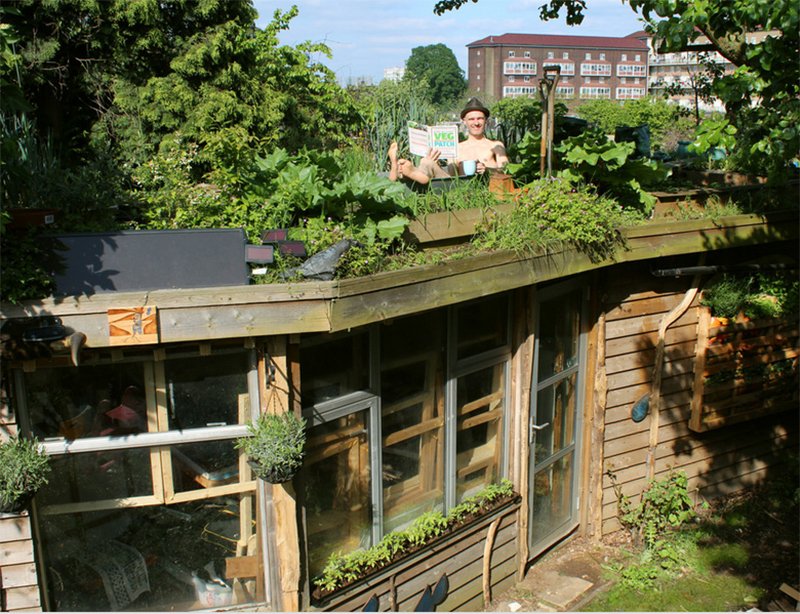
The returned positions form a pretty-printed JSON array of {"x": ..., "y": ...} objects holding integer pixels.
[{"x": 367, "y": 36}]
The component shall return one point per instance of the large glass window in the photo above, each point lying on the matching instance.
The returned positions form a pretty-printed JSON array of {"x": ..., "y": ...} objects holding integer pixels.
[
  {"x": 425, "y": 431},
  {"x": 150, "y": 506},
  {"x": 412, "y": 417}
]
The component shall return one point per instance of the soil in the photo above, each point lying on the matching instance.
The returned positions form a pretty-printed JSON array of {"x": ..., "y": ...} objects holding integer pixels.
[{"x": 771, "y": 535}]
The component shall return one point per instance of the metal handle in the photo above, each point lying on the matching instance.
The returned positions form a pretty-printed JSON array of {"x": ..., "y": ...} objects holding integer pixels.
[{"x": 535, "y": 428}]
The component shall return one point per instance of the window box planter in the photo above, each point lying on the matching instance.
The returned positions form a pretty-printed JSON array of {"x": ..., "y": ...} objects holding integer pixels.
[
  {"x": 458, "y": 552},
  {"x": 744, "y": 369}
]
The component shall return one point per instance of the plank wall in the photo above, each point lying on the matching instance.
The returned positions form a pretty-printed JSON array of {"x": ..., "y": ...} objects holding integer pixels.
[
  {"x": 461, "y": 557},
  {"x": 19, "y": 591},
  {"x": 717, "y": 462}
]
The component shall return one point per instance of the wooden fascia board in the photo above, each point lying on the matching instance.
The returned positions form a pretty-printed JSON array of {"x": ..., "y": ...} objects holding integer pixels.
[{"x": 307, "y": 307}]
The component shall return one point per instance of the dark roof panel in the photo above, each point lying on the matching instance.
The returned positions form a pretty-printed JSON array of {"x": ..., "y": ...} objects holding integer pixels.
[{"x": 561, "y": 40}]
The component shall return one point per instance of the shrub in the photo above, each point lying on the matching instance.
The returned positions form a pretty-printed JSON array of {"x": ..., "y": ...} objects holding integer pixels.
[
  {"x": 275, "y": 446},
  {"x": 24, "y": 469}
]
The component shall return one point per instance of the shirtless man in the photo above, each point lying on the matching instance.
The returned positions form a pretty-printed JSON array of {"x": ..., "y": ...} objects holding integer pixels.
[{"x": 486, "y": 152}]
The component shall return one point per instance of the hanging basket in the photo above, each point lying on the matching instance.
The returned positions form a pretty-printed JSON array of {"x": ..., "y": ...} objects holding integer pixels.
[
  {"x": 273, "y": 475},
  {"x": 18, "y": 505}
]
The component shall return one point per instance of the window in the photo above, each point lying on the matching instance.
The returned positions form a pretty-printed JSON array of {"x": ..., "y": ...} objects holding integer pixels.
[
  {"x": 623, "y": 57},
  {"x": 430, "y": 433},
  {"x": 145, "y": 478},
  {"x": 587, "y": 56},
  {"x": 526, "y": 79},
  {"x": 637, "y": 57},
  {"x": 595, "y": 92},
  {"x": 565, "y": 91},
  {"x": 602, "y": 56},
  {"x": 601, "y": 80},
  {"x": 478, "y": 52},
  {"x": 516, "y": 91},
  {"x": 631, "y": 70},
  {"x": 628, "y": 93},
  {"x": 596, "y": 69},
  {"x": 565, "y": 55},
  {"x": 478, "y": 65},
  {"x": 511, "y": 79},
  {"x": 511, "y": 54},
  {"x": 550, "y": 55},
  {"x": 622, "y": 80},
  {"x": 527, "y": 54},
  {"x": 519, "y": 68},
  {"x": 567, "y": 68}
]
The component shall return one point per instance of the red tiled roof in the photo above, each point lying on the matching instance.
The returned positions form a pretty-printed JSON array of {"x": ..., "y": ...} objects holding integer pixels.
[{"x": 559, "y": 40}]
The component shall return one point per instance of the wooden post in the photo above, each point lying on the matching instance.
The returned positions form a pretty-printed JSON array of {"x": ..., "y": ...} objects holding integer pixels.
[{"x": 287, "y": 544}]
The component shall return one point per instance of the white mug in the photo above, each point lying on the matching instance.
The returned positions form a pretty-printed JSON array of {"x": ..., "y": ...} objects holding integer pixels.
[{"x": 469, "y": 166}]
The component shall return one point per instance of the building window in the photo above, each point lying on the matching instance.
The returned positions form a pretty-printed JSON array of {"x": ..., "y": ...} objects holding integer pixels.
[
  {"x": 587, "y": 56},
  {"x": 478, "y": 77},
  {"x": 526, "y": 79},
  {"x": 565, "y": 91},
  {"x": 623, "y": 57},
  {"x": 629, "y": 93},
  {"x": 595, "y": 92},
  {"x": 146, "y": 478},
  {"x": 527, "y": 54},
  {"x": 519, "y": 68},
  {"x": 433, "y": 437},
  {"x": 596, "y": 69},
  {"x": 601, "y": 80},
  {"x": 478, "y": 65},
  {"x": 511, "y": 54},
  {"x": 631, "y": 70},
  {"x": 478, "y": 52},
  {"x": 518, "y": 91},
  {"x": 602, "y": 56},
  {"x": 637, "y": 57},
  {"x": 550, "y": 55},
  {"x": 622, "y": 80},
  {"x": 567, "y": 68},
  {"x": 565, "y": 55},
  {"x": 511, "y": 79}
]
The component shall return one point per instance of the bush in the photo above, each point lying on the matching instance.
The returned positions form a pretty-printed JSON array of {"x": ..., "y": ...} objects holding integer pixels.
[
  {"x": 23, "y": 470},
  {"x": 275, "y": 446}
]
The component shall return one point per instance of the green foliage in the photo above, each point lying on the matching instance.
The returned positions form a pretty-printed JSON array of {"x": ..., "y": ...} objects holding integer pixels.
[
  {"x": 341, "y": 569},
  {"x": 24, "y": 468},
  {"x": 554, "y": 211},
  {"x": 528, "y": 152},
  {"x": 385, "y": 112},
  {"x": 275, "y": 445},
  {"x": 592, "y": 158},
  {"x": 663, "y": 118},
  {"x": 437, "y": 67},
  {"x": 664, "y": 504},
  {"x": 760, "y": 295}
]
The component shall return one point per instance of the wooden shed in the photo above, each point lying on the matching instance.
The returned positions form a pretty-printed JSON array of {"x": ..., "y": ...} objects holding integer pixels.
[{"x": 420, "y": 388}]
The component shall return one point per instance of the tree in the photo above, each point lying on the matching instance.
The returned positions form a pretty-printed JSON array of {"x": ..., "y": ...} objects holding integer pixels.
[
  {"x": 767, "y": 72},
  {"x": 436, "y": 66}
]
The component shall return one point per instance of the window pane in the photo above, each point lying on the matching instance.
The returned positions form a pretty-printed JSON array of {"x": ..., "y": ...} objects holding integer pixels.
[
  {"x": 559, "y": 322},
  {"x": 479, "y": 448},
  {"x": 412, "y": 410},
  {"x": 555, "y": 406},
  {"x": 94, "y": 476},
  {"x": 87, "y": 401},
  {"x": 336, "y": 482},
  {"x": 482, "y": 326},
  {"x": 205, "y": 465},
  {"x": 151, "y": 558},
  {"x": 207, "y": 391},
  {"x": 334, "y": 368},
  {"x": 551, "y": 497}
]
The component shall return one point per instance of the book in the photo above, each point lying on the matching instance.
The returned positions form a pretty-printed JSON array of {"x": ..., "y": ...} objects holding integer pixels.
[{"x": 443, "y": 137}]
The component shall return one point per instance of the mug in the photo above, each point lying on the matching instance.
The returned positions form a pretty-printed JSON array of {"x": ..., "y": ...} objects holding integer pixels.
[{"x": 469, "y": 166}]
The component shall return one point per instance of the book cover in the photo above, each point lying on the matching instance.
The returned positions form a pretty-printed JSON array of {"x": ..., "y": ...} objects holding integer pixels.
[{"x": 443, "y": 137}]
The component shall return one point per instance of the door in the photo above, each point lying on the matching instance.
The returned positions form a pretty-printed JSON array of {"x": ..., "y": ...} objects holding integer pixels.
[{"x": 555, "y": 414}]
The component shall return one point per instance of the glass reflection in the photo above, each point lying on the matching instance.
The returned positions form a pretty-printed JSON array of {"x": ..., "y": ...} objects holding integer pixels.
[{"x": 559, "y": 330}]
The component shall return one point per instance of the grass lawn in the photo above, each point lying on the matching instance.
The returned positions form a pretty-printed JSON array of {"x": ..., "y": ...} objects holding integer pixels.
[{"x": 733, "y": 557}]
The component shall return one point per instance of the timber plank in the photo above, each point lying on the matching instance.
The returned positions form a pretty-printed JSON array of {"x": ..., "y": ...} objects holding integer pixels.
[
  {"x": 21, "y": 598},
  {"x": 636, "y": 308},
  {"x": 646, "y": 324},
  {"x": 645, "y": 358},
  {"x": 12, "y": 553},
  {"x": 14, "y": 527},
  {"x": 641, "y": 374},
  {"x": 676, "y": 335},
  {"x": 21, "y": 574}
]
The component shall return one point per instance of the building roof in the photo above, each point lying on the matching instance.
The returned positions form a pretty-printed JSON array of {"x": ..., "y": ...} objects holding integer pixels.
[{"x": 560, "y": 40}]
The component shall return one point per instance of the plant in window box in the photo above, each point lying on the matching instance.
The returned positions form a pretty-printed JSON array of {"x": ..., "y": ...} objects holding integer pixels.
[
  {"x": 23, "y": 470},
  {"x": 274, "y": 446}
]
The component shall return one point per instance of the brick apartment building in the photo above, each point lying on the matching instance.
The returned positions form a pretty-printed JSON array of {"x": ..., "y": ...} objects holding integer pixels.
[{"x": 591, "y": 66}]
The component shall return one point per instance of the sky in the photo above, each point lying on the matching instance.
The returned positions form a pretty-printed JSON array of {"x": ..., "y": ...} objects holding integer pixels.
[{"x": 366, "y": 36}]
